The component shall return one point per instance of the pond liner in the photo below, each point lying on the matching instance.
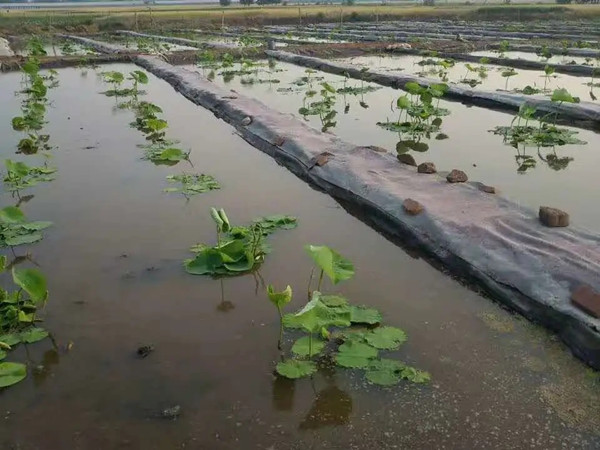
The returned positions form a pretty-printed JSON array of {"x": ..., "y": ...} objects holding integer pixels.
[
  {"x": 569, "y": 69},
  {"x": 483, "y": 238},
  {"x": 583, "y": 114},
  {"x": 176, "y": 40}
]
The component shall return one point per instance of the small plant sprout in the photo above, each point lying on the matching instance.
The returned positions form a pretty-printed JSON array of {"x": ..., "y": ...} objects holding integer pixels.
[
  {"x": 239, "y": 249},
  {"x": 503, "y": 48},
  {"x": 137, "y": 77},
  {"x": 548, "y": 73},
  {"x": 592, "y": 84},
  {"x": 521, "y": 133},
  {"x": 115, "y": 79},
  {"x": 192, "y": 184},
  {"x": 323, "y": 108},
  {"x": 507, "y": 73},
  {"x": 222, "y": 222},
  {"x": 330, "y": 263},
  {"x": 417, "y": 115},
  {"x": 279, "y": 299}
]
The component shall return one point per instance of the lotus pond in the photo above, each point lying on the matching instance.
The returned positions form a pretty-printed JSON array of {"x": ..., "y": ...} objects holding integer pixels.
[
  {"x": 531, "y": 174},
  {"x": 484, "y": 76},
  {"x": 145, "y": 355}
]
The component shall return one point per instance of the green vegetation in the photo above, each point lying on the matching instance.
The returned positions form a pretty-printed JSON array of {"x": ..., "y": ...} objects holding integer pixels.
[
  {"x": 18, "y": 318},
  {"x": 192, "y": 184},
  {"x": 239, "y": 249},
  {"x": 523, "y": 132},
  {"x": 352, "y": 337},
  {"x": 16, "y": 230},
  {"x": 418, "y": 117}
]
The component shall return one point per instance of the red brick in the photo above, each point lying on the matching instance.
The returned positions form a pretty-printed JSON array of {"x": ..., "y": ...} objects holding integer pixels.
[{"x": 587, "y": 299}]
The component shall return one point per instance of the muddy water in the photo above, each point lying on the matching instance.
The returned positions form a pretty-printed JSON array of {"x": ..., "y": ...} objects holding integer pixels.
[
  {"x": 494, "y": 80},
  {"x": 113, "y": 261},
  {"x": 470, "y": 147}
]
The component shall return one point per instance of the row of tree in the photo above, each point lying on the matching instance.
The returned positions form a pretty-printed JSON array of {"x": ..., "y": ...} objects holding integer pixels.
[{"x": 251, "y": 2}]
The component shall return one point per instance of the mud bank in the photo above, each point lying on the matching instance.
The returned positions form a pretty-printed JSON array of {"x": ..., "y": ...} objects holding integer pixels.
[
  {"x": 5, "y": 49},
  {"x": 57, "y": 62},
  {"x": 484, "y": 238},
  {"x": 584, "y": 114},
  {"x": 177, "y": 41},
  {"x": 569, "y": 51},
  {"x": 102, "y": 47},
  {"x": 569, "y": 69}
]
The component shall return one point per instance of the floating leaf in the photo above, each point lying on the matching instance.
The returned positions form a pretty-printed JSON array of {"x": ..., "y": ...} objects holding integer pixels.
[
  {"x": 31, "y": 281},
  {"x": 294, "y": 368},
  {"x": 301, "y": 346},
  {"x": 335, "y": 266},
  {"x": 415, "y": 375},
  {"x": 33, "y": 334},
  {"x": 206, "y": 262},
  {"x": 362, "y": 314},
  {"x": 269, "y": 224},
  {"x": 11, "y": 373},
  {"x": 384, "y": 372},
  {"x": 386, "y": 338},
  {"x": 10, "y": 339},
  {"x": 192, "y": 184},
  {"x": 355, "y": 354}
]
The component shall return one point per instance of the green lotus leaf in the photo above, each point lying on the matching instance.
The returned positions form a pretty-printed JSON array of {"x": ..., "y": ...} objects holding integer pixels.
[
  {"x": 294, "y": 368},
  {"x": 11, "y": 373},
  {"x": 386, "y": 338},
  {"x": 301, "y": 346}
]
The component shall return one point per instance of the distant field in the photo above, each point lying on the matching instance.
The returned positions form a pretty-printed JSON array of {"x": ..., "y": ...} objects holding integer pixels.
[{"x": 104, "y": 18}]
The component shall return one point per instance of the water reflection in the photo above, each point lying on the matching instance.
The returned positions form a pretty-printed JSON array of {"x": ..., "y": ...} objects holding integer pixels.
[
  {"x": 284, "y": 390},
  {"x": 224, "y": 305},
  {"x": 331, "y": 407},
  {"x": 44, "y": 369}
]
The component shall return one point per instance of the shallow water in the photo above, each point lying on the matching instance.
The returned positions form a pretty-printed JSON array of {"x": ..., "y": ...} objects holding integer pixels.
[
  {"x": 493, "y": 80},
  {"x": 556, "y": 59},
  {"x": 56, "y": 50},
  {"x": 146, "y": 45},
  {"x": 113, "y": 261},
  {"x": 470, "y": 147}
]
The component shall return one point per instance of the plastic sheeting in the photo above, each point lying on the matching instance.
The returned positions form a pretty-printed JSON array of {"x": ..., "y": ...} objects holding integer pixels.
[{"x": 483, "y": 237}]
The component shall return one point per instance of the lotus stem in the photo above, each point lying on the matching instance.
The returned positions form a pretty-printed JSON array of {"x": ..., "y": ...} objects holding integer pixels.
[
  {"x": 280, "y": 328},
  {"x": 320, "y": 281},
  {"x": 312, "y": 272}
]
